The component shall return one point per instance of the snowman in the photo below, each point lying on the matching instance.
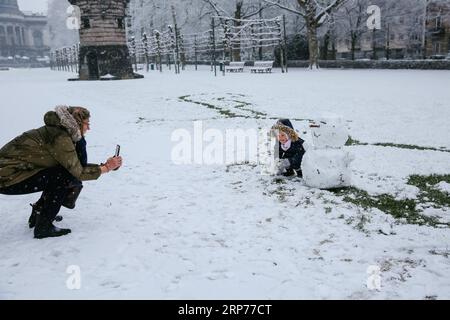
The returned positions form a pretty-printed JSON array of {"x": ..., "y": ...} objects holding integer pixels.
[{"x": 326, "y": 165}]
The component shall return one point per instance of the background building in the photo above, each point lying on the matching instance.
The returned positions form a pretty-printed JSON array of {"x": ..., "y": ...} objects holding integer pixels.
[
  {"x": 438, "y": 29},
  {"x": 23, "y": 36},
  {"x": 401, "y": 35}
]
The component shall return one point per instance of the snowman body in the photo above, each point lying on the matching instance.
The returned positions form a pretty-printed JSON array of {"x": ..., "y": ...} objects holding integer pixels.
[{"x": 326, "y": 164}]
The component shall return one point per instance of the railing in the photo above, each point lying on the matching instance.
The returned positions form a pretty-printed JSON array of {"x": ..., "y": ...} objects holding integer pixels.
[{"x": 65, "y": 59}]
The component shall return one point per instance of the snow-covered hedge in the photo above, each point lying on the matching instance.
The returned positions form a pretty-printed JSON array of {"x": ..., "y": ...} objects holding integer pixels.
[{"x": 378, "y": 64}]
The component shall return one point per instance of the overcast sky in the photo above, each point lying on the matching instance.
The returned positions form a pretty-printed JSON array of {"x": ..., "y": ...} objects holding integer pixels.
[{"x": 33, "y": 5}]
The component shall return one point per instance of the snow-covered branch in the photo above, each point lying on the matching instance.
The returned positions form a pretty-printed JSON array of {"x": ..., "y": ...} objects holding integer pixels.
[
  {"x": 258, "y": 11},
  {"x": 326, "y": 11},
  {"x": 218, "y": 9},
  {"x": 279, "y": 5}
]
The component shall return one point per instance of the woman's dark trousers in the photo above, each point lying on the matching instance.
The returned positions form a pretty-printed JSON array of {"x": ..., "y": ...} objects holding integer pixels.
[{"x": 54, "y": 183}]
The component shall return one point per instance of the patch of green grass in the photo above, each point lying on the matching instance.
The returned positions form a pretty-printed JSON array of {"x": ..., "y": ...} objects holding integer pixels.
[
  {"x": 242, "y": 106},
  {"x": 403, "y": 208},
  {"x": 225, "y": 112},
  {"x": 428, "y": 192},
  {"x": 354, "y": 142},
  {"x": 241, "y": 164},
  {"x": 443, "y": 253},
  {"x": 243, "y": 103},
  {"x": 282, "y": 193},
  {"x": 409, "y": 146},
  {"x": 279, "y": 181},
  {"x": 385, "y": 202}
]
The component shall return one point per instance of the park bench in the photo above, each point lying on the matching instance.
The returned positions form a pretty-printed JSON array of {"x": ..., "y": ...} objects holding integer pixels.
[
  {"x": 235, "y": 67},
  {"x": 262, "y": 67}
]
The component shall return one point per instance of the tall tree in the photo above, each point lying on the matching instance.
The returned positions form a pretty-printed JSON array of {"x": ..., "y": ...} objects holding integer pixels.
[
  {"x": 238, "y": 10},
  {"x": 148, "y": 15},
  {"x": 315, "y": 14},
  {"x": 351, "y": 20}
]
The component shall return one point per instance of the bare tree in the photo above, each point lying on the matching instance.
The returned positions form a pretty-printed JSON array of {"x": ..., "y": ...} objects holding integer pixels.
[
  {"x": 351, "y": 19},
  {"x": 148, "y": 15},
  {"x": 315, "y": 14},
  {"x": 238, "y": 10}
]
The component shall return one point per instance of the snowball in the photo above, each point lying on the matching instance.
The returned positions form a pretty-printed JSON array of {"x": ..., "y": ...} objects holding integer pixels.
[
  {"x": 329, "y": 132},
  {"x": 327, "y": 168}
]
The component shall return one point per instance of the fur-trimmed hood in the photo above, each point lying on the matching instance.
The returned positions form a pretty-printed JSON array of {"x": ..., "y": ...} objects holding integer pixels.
[
  {"x": 279, "y": 126},
  {"x": 61, "y": 117}
]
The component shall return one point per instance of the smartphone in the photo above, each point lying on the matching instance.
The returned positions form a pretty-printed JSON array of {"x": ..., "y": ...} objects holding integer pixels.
[{"x": 117, "y": 154}]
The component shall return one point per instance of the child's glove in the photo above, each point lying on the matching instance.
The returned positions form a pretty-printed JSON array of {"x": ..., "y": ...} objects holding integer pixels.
[{"x": 282, "y": 166}]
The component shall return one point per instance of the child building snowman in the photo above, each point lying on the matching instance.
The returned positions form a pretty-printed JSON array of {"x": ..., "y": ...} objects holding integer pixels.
[
  {"x": 322, "y": 162},
  {"x": 289, "y": 149}
]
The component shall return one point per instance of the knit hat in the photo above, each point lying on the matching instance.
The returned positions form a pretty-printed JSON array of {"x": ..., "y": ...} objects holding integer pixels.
[{"x": 286, "y": 122}]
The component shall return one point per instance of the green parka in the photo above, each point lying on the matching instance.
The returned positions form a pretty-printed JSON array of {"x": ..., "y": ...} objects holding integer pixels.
[{"x": 39, "y": 149}]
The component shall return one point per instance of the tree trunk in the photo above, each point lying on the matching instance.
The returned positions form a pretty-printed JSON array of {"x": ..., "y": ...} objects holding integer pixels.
[
  {"x": 260, "y": 48},
  {"x": 326, "y": 44},
  {"x": 237, "y": 44},
  {"x": 237, "y": 24},
  {"x": 332, "y": 51},
  {"x": 388, "y": 43},
  {"x": 374, "y": 45},
  {"x": 353, "y": 37},
  {"x": 313, "y": 45}
]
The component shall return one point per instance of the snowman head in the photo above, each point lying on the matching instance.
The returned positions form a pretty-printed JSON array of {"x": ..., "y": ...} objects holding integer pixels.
[{"x": 328, "y": 132}]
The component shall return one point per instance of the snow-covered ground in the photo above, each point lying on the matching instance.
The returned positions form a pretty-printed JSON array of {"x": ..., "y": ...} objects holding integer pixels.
[{"x": 159, "y": 230}]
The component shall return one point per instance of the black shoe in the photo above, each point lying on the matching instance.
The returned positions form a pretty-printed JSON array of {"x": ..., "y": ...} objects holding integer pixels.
[
  {"x": 45, "y": 229},
  {"x": 35, "y": 211}
]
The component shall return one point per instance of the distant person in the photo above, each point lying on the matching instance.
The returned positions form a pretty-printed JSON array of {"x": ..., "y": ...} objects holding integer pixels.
[
  {"x": 290, "y": 149},
  {"x": 51, "y": 160}
]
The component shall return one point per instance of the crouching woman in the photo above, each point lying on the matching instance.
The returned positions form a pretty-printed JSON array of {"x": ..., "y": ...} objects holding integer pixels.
[
  {"x": 46, "y": 160},
  {"x": 290, "y": 149}
]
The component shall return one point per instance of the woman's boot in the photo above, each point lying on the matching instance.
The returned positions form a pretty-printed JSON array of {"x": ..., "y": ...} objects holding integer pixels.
[
  {"x": 37, "y": 208},
  {"x": 45, "y": 229}
]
